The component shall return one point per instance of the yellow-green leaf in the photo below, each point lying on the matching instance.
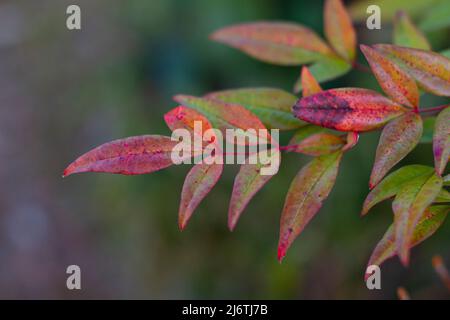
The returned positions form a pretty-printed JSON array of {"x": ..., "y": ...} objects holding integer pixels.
[
  {"x": 431, "y": 219},
  {"x": 393, "y": 183},
  {"x": 406, "y": 34},
  {"x": 443, "y": 196},
  {"x": 409, "y": 205}
]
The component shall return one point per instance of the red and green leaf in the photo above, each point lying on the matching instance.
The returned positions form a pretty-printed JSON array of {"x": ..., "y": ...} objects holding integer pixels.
[
  {"x": 409, "y": 205},
  {"x": 394, "y": 81},
  {"x": 393, "y": 183},
  {"x": 398, "y": 138},
  {"x": 198, "y": 183},
  {"x": 274, "y": 42},
  {"x": 183, "y": 117},
  {"x": 304, "y": 199},
  {"x": 129, "y": 156},
  {"x": 313, "y": 141},
  {"x": 224, "y": 115},
  {"x": 431, "y": 219},
  {"x": 406, "y": 34},
  {"x": 271, "y": 106},
  {"x": 247, "y": 183},
  {"x": 339, "y": 30},
  {"x": 441, "y": 140},
  {"x": 309, "y": 83},
  {"x": 347, "y": 109},
  {"x": 431, "y": 70}
]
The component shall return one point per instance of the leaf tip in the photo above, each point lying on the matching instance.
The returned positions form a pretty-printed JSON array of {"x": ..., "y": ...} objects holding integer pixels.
[
  {"x": 281, "y": 253},
  {"x": 231, "y": 224},
  {"x": 404, "y": 257}
]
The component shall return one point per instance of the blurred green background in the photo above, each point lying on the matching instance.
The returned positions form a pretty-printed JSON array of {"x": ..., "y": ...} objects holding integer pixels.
[{"x": 64, "y": 92}]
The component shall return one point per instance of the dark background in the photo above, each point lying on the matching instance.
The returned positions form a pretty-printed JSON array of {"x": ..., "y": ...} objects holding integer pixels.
[{"x": 64, "y": 92}]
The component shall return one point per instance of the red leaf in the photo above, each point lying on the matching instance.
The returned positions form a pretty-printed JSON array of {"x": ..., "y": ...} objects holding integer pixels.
[
  {"x": 304, "y": 199},
  {"x": 339, "y": 29},
  {"x": 398, "y": 138},
  {"x": 198, "y": 183},
  {"x": 394, "y": 81},
  {"x": 309, "y": 83},
  {"x": 274, "y": 42},
  {"x": 347, "y": 109},
  {"x": 134, "y": 155}
]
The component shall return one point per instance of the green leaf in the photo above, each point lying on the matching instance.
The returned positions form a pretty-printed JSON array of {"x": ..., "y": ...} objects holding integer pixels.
[
  {"x": 406, "y": 34},
  {"x": 392, "y": 184},
  {"x": 443, "y": 196},
  {"x": 398, "y": 138},
  {"x": 247, "y": 183},
  {"x": 198, "y": 183},
  {"x": 431, "y": 219},
  {"x": 441, "y": 140},
  {"x": 428, "y": 130},
  {"x": 313, "y": 141},
  {"x": 306, "y": 194},
  {"x": 272, "y": 106},
  {"x": 325, "y": 69},
  {"x": 431, "y": 70},
  {"x": 409, "y": 205},
  {"x": 394, "y": 81},
  {"x": 437, "y": 17},
  {"x": 339, "y": 29},
  {"x": 274, "y": 42}
]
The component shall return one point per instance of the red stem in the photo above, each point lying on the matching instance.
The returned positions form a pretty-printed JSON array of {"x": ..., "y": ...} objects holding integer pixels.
[{"x": 434, "y": 109}]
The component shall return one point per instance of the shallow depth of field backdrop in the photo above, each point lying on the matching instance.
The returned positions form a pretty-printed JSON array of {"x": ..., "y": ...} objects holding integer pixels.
[{"x": 63, "y": 92}]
